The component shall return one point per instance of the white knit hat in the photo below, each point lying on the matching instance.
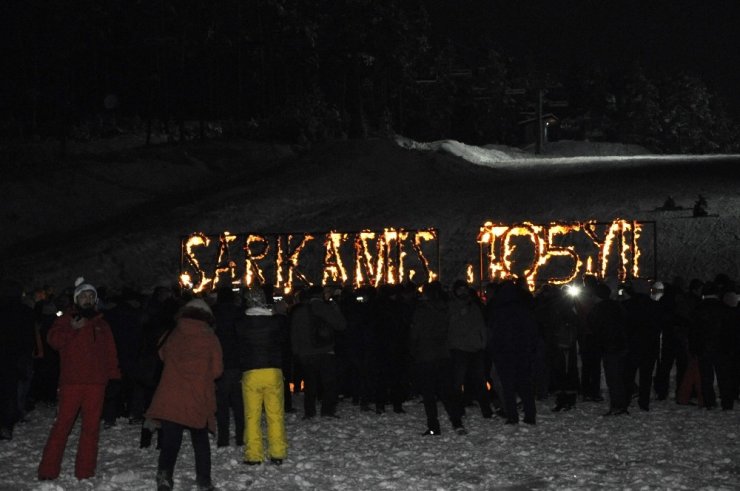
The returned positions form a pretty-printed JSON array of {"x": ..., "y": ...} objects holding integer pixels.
[
  {"x": 657, "y": 290},
  {"x": 82, "y": 286}
]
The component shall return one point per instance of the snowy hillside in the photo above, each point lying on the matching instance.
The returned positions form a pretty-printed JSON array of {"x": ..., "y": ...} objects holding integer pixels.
[{"x": 118, "y": 216}]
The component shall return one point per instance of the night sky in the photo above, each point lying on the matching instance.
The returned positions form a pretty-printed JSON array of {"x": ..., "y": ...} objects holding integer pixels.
[
  {"x": 197, "y": 60},
  {"x": 700, "y": 37}
]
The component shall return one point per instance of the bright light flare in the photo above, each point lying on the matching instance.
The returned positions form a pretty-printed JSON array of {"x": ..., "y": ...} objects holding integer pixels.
[{"x": 572, "y": 290}]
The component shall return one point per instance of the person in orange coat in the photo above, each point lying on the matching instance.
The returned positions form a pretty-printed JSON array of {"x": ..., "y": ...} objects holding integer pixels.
[
  {"x": 88, "y": 360},
  {"x": 186, "y": 395}
]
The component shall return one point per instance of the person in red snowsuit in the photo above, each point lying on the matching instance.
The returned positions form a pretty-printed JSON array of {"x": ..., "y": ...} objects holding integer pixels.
[{"x": 88, "y": 361}]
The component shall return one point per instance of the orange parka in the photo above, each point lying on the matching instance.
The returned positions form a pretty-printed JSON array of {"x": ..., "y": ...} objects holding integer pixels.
[{"x": 186, "y": 393}]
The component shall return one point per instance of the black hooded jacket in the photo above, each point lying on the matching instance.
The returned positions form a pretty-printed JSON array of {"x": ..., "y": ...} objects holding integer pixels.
[
  {"x": 261, "y": 338},
  {"x": 513, "y": 324}
]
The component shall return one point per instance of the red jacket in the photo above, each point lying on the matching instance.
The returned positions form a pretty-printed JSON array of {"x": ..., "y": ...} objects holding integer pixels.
[
  {"x": 186, "y": 393},
  {"x": 87, "y": 356}
]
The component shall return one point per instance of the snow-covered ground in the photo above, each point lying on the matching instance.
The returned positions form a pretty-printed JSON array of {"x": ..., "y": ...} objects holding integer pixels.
[{"x": 670, "y": 447}]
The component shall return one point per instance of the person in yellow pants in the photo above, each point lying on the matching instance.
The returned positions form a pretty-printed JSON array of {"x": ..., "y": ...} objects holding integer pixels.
[
  {"x": 263, "y": 387},
  {"x": 262, "y": 337}
]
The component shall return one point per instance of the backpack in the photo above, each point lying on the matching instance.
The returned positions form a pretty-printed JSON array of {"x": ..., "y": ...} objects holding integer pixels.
[{"x": 322, "y": 333}]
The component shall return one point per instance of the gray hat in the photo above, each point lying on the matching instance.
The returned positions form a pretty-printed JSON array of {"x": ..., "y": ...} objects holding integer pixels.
[
  {"x": 255, "y": 297},
  {"x": 731, "y": 299},
  {"x": 199, "y": 304}
]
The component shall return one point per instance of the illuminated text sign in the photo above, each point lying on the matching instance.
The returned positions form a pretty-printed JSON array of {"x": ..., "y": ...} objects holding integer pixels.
[
  {"x": 558, "y": 253},
  {"x": 357, "y": 258}
]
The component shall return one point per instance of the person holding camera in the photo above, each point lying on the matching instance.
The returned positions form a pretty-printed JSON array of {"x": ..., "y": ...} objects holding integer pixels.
[{"x": 88, "y": 360}]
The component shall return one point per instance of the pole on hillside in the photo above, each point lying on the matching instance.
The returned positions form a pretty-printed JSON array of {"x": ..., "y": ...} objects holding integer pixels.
[
  {"x": 439, "y": 259},
  {"x": 655, "y": 250},
  {"x": 540, "y": 126}
]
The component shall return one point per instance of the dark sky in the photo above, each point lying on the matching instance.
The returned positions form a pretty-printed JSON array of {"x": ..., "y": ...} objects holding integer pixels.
[{"x": 701, "y": 36}]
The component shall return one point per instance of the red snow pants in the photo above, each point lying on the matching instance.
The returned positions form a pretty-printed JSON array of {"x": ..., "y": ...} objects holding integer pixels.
[{"x": 74, "y": 399}]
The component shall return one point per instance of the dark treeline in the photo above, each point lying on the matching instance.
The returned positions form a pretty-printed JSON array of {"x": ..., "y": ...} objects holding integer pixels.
[{"x": 309, "y": 70}]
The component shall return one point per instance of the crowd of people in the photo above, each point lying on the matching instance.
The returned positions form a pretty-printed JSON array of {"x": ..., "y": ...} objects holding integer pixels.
[{"x": 172, "y": 362}]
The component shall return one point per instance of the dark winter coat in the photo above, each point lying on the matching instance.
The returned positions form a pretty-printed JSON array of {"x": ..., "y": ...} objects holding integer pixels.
[
  {"x": 261, "y": 337},
  {"x": 428, "y": 334},
  {"x": 359, "y": 333},
  {"x": 729, "y": 336},
  {"x": 301, "y": 324},
  {"x": 686, "y": 304},
  {"x": 606, "y": 322},
  {"x": 160, "y": 321},
  {"x": 704, "y": 337},
  {"x": 227, "y": 316},
  {"x": 513, "y": 325},
  {"x": 468, "y": 330},
  {"x": 17, "y": 339},
  {"x": 126, "y": 323},
  {"x": 560, "y": 323},
  {"x": 583, "y": 305},
  {"x": 390, "y": 332},
  {"x": 643, "y": 325}
]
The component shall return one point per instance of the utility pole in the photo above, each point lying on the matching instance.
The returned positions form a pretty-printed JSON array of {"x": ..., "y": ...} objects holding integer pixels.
[
  {"x": 540, "y": 125},
  {"x": 541, "y": 89}
]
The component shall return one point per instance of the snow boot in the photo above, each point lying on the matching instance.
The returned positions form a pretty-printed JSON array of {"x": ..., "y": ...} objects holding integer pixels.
[
  {"x": 164, "y": 480},
  {"x": 205, "y": 484},
  {"x": 146, "y": 438},
  {"x": 560, "y": 403},
  {"x": 571, "y": 399},
  {"x": 6, "y": 433},
  {"x": 460, "y": 430}
]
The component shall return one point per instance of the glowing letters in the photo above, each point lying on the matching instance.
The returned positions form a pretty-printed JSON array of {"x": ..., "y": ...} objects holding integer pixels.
[
  {"x": 554, "y": 253},
  {"x": 376, "y": 258}
]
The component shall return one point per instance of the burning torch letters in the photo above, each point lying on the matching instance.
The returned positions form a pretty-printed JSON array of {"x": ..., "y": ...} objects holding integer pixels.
[
  {"x": 360, "y": 258},
  {"x": 558, "y": 253}
]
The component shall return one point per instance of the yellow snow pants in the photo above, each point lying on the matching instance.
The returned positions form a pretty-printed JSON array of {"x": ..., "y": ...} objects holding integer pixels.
[{"x": 263, "y": 387}]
